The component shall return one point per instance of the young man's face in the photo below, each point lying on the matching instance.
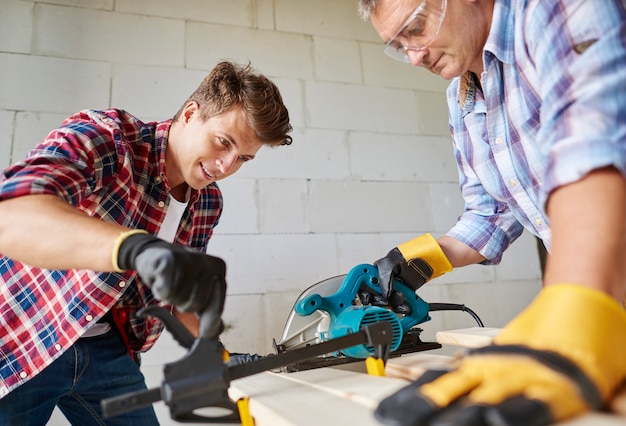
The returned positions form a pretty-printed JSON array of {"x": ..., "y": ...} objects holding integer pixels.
[
  {"x": 211, "y": 150},
  {"x": 454, "y": 47}
]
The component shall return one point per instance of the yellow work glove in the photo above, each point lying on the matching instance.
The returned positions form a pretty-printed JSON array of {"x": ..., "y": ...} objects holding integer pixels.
[
  {"x": 414, "y": 263},
  {"x": 563, "y": 355}
]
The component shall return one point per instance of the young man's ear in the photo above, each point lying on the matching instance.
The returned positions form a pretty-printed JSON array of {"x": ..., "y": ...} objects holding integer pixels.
[{"x": 188, "y": 111}]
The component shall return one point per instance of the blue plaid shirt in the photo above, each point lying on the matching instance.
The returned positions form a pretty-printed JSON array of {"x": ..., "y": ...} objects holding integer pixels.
[
  {"x": 111, "y": 166},
  {"x": 549, "y": 108}
]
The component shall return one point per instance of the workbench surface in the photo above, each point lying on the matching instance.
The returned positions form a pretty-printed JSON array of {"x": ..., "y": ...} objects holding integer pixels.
[
  {"x": 348, "y": 395},
  {"x": 332, "y": 396}
]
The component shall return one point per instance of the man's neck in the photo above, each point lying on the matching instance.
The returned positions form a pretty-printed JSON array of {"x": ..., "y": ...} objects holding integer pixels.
[{"x": 179, "y": 192}]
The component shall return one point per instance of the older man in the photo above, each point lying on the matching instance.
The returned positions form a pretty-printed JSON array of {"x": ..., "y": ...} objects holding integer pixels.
[{"x": 537, "y": 108}]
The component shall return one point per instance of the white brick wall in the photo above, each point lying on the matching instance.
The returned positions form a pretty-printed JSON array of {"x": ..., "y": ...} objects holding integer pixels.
[{"x": 370, "y": 167}]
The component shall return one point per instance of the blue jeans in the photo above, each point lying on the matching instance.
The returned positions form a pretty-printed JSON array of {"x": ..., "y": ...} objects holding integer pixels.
[{"x": 93, "y": 369}]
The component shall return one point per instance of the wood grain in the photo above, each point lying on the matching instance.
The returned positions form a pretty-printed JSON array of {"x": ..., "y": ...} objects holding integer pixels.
[
  {"x": 346, "y": 395},
  {"x": 473, "y": 337},
  {"x": 335, "y": 397},
  {"x": 325, "y": 396}
]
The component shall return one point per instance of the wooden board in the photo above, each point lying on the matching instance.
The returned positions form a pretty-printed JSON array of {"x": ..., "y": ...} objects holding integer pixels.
[
  {"x": 336, "y": 397},
  {"x": 346, "y": 395},
  {"x": 473, "y": 337},
  {"x": 324, "y": 396},
  {"x": 411, "y": 366}
]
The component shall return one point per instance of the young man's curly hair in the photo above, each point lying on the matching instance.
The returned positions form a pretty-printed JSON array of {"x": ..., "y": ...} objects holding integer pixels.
[{"x": 230, "y": 84}]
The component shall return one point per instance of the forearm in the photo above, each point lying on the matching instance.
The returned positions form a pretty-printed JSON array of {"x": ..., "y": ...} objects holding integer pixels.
[
  {"x": 46, "y": 232},
  {"x": 458, "y": 253},
  {"x": 588, "y": 220},
  {"x": 190, "y": 320}
]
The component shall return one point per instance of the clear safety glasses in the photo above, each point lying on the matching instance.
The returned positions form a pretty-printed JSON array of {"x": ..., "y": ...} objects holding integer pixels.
[{"x": 418, "y": 31}]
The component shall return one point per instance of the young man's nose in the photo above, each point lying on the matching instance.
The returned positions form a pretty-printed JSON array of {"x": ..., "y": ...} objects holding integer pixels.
[{"x": 227, "y": 163}]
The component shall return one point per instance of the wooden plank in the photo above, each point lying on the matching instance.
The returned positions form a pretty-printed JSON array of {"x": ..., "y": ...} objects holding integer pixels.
[
  {"x": 329, "y": 397},
  {"x": 618, "y": 404},
  {"x": 473, "y": 337},
  {"x": 326, "y": 396},
  {"x": 347, "y": 395},
  {"x": 412, "y": 366}
]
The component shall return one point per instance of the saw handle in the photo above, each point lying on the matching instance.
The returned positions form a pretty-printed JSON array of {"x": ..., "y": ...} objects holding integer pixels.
[
  {"x": 310, "y": 304},
  {"x": 364, "y": 275}
]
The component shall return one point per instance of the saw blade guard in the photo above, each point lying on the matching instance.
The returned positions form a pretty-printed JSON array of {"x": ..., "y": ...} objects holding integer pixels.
[{"x": 343, "y": 314}]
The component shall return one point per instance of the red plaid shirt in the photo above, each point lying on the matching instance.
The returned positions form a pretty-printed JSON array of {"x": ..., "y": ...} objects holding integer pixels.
[{"x": 111, "y": 166}]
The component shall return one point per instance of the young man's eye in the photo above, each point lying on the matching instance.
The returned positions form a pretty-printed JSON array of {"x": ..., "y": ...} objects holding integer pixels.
[
  {"x": 244, "y": 158},
  {"x": 223, "y": 141}
]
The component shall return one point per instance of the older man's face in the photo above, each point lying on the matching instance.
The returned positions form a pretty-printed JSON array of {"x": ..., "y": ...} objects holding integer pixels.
[{"x": 445, "y": 37}]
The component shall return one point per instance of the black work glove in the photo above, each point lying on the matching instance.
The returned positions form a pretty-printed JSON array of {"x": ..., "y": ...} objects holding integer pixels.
[
  {"x": 395, "y": 300},
  {"x": 190, "y": 280},
  {"x": 242, "y": 358},
  {"x": 414, "y": 263}
]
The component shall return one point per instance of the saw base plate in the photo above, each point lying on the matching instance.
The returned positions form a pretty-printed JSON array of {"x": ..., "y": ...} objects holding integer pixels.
[{"x": 411, "y": 343}]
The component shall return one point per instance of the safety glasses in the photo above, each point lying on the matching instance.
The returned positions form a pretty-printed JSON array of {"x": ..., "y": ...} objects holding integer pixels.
[{"x": 418, "y": 31}]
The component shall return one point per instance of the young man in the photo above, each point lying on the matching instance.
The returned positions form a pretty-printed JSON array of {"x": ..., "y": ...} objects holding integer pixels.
[
  {"x": 109, "y": 215},
  {"x": 537, "y": 107}
]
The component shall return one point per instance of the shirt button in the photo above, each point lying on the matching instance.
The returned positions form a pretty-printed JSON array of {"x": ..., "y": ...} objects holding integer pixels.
[
  {"x": 513, "y": 182},
  {"x": 57, "y": 347},
  {"x": 158, "y": 179},
  {"x": 498, "y": 141},
  {"x": 161, "y": 204},
  {"x": 89, "y": 318},
  {"x": 538, "y": 221},
  {"x": 23, "y": 374},
  {"x": 122, "y": 284}
]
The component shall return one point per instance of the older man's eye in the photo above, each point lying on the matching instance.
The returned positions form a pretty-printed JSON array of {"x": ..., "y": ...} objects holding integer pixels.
[
  {"x": 397, "y": 46},
  {"x": 416, "y": 27}
]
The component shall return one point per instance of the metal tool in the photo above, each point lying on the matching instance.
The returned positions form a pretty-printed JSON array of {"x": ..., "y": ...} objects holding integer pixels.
[
  {"x": 332, "y": 308},
  {"x": 202, "y": 378},
  {"x": 327, "y": 326}
]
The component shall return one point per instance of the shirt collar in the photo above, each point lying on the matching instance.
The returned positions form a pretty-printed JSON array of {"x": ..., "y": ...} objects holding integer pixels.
[
  {"x": 162, "y": 134},
  {"x": 500, "y": 42},
  {"x": 499, "y": 45}
]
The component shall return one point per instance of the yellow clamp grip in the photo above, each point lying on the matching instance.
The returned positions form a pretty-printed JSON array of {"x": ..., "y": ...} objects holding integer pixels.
[
  {"x": 244, "y": 412},
  {"x": 375, "y": 366},
  {"x": 118, "y": 243},
  {"x": 426, "y": 247}
]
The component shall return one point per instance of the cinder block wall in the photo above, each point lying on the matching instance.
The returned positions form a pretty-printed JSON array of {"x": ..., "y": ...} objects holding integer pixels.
[{"x": 370, "y": 167}]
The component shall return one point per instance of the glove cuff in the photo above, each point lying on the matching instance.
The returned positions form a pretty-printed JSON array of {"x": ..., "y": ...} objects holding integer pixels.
[
  {"x": 123, "y": 263},
  {"x": 426, "y": 247},
  {"x": 580, "y": 323}
]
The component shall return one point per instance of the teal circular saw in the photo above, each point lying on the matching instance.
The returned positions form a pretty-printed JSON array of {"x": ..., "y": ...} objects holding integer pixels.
[{"x": 332, "y": 309}]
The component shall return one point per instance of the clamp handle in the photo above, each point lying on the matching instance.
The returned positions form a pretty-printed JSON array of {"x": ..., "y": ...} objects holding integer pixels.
[
  {"x": 171, "y": 323},
  {"x": 199, "y": 379}
]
